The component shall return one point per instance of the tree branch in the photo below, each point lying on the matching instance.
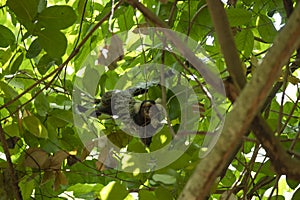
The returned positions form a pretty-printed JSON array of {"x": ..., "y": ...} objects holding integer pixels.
[
  {"x": 12, "y": 174},
  {"x": 225, "y": 38},
  {"x": 245, "y": 108},
  {"x": 262, "y": 131}
]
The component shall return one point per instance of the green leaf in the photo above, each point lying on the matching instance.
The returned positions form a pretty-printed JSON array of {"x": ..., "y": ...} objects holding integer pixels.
[
  {"x": 90, "y": 80},
  {"x": 238, "y": 16},
  {"x": 266, "y": 28},
  {"x": 229, "y": 178},
  {"x": 245, "y": 42},
  {"x": 41, "y": 104},
  {"x": 6, "y": 36},
  {"x": 173, "y": 105},
  {"x": 25, "y": 10},
  {"x": 80, "y": 189},
  {"x": 161, "y": 139},
  {"x": 27, "y": 185},
  {"x": 65, "y": 115},
  {"x": 146, "y": 195},
  {"x": 34, "y": 49},
  {"x": 57, "y": 17},
  {"x": 45, "y": 63},
  {"x": 35, "y": 127},
  {"x": 292, "y": 183},
  {"x": 5, "y": 56},
  {"x": 201, "y": 27},
  {"x": 296, "y": 195},
  {"x": 277, "y": 197},
  {"x": 12, "y": 130},
  {"x": 113, "y": 191},
  {"x": 125, "y": 20},
  {"x": 16, "y": 64},
  {"x": 112, "y": 78},
  {"x": 8, "y": 91},
  {"x": 164, "y": 178},
  {"x": 163, "y": 193},
  {"x": 54, "y": 42}
]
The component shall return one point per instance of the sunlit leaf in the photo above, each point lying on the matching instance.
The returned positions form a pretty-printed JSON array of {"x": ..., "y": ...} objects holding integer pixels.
[
  {"x": 113, "y": 191},
  {"x": 84, "y": 188},
  {"x": 35, "y": 127},
  {"x": 164, "y": 178}
]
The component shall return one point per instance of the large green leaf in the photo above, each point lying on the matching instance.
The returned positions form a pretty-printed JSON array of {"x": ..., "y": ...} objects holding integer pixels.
[
  {"x": 245, "y": 42},
  {"x": 54, "y": 42},
  {"x": 35, "y": 126},
  {"x": 6, "y": 36},
  {"x": 25, "y": 10},
  {"x": 266, "y": 28},
  {"x": 57, "y": 17},
  {"x": 238, "y": 16}
]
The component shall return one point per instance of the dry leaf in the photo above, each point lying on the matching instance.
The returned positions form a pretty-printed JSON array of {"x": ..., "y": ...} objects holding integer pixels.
[
  {"x": 57, "y": 159},
  {"x": 37, "y": 158},
  {"x": 60, "y": 179}
]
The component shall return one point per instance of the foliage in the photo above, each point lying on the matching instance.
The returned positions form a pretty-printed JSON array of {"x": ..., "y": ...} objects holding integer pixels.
[{"x": 45, "y": 43}]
